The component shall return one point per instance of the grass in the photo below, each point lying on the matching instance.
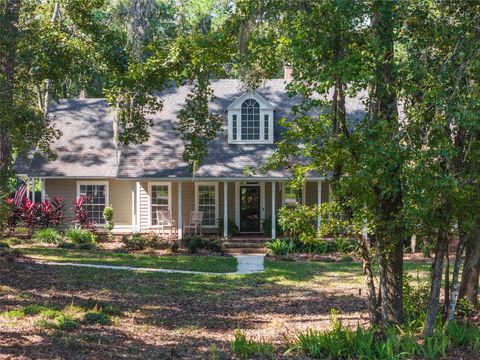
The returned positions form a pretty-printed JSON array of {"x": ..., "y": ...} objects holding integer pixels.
[
  {"x": 100, "y": 310},
  {"x": 216, "y": 264}
]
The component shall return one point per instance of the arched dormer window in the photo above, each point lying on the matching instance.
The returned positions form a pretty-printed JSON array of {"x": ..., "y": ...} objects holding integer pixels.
[{"x": 250, "y": 120}]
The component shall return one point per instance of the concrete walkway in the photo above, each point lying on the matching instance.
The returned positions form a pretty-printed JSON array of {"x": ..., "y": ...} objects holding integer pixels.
[{"x": 247, "y": 264}]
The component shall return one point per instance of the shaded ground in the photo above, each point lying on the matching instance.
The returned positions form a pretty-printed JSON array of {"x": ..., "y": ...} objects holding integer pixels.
[{"x": 175, "y": 316}]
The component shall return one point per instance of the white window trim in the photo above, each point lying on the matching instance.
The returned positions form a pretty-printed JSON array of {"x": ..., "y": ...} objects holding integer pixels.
[
  {"x": 237, "y": 110},
  {"x": 197, "y": 184},
  {"x": 150, "y": 184},
  {"x": 107, "y": 193}
]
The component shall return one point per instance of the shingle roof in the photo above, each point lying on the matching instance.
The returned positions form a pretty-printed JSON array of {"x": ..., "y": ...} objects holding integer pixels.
[{"x": 86, "y": 148}]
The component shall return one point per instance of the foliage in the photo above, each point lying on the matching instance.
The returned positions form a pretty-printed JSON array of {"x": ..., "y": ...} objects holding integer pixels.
[
  {"x": 97, "y": 317},
  {"x": 232, "y": 227},
  {"x": 80, "y": 236},
  {"x": 30, "y": 213},
  {"x": 47, "y": 235},
  {"x": 135, "y": 241},
  {"x": 280, "y": 247},
  {"x": 249, "y": 348},
  {"x": 299, "y": 222},
  {"x": 108, "y": 216},
  {"x": 341, "y": 342},
  {"x": 196, "y": 124},
  {"x": 81, "y": 217},
  {"x": 174, "y": 247},
  {"x": 51, "y": 213},
  {"x": 214, "y": 244},
  {"x": 192, "y": 242}
]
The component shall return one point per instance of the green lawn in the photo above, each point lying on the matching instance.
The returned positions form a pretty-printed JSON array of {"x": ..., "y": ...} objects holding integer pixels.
[{"x": 216, "y": 264}]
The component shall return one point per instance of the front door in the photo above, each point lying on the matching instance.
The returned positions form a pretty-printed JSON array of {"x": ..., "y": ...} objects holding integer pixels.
[{"x": 250, "y": 208}]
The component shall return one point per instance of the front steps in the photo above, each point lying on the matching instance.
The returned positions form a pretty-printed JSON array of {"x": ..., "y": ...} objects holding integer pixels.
[{"x": 246, "y": 244}]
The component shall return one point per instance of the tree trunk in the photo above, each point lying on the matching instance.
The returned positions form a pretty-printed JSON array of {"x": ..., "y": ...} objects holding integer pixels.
[
  {"x": 434, "y": 298},
  {"x": 446, "y": 301},
  {"x": 8, "y": 46},
  {"x": 471, "y": 270},
  {"x": 369, "y": 281},
  {"x": 48, "y": 82},
  {"x": 455, "y": 275},
  {"x": 138, "y": 15}
]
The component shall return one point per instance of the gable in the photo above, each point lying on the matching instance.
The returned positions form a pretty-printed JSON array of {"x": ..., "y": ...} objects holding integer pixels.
[{"x": 264, "y": 104}]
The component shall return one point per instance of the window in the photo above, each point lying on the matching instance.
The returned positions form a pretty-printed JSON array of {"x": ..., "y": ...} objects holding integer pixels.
[
  {"x": 265, "y": 126},
  {"x": 207, "y": 202},
  {"x": 234, "y": 128},
  {"x": 250, "y": 120},
  {"x": 96, "y": 194},
  {"x": 293, "y": 197},
  {"x": 160, "y": 200}
]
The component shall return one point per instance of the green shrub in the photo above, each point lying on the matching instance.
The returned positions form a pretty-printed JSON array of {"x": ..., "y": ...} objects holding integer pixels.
[
  {"x": 232, "y": 227},
  {"x": 4, "y": 244},
  {"x": 47, "y": 235},
  {"x": 174, "y": 247},
  {"x": 465, "y": 308},
  {"x": 67, "y": 324},
  {"x": 345, "y": 245},
  {"x": 80, "y": 236},
  {"x": 97, "y": 317},
  {"x": 214, "y": 244},
  {"x": 248, "y": 348},
  {"x": 280, "y": 247},
  {"x": 464, "y": 334},
  {"x": 134, "y": 242},
  {"x": 108, "y": 217},
  {"x": 192, "y": 242},
  {"x": 346, "y": 258}
]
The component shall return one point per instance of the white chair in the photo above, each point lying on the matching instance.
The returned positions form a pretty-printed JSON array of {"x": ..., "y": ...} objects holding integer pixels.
[
  {"x": 164, "y": 221},
  {"x": 194, "y": 223}
]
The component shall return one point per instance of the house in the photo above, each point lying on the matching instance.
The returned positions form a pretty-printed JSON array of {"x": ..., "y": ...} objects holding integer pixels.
[{"x": 152, "y": 176}]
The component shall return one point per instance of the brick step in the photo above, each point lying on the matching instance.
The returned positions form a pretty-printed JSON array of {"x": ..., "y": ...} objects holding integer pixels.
[
  {"x": 243, "y": 241},
  {"x": 229, "y": 245},
  {"x": 246, "y": 251}
]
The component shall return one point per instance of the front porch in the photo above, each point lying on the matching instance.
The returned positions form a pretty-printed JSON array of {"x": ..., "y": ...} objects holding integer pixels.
[{"x": 250, "y": 206}]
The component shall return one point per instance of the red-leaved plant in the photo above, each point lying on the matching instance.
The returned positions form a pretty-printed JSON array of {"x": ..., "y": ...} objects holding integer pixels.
[
  {"x": 30, "y": 213},
  {"x": 51, "y": 213},
  {"x": 14, "y": 213},
  {"x": 81, "y": 214}
]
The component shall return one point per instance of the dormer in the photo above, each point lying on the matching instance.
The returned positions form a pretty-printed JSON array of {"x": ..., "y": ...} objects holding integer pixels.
[{"x": 250, "y": 120}]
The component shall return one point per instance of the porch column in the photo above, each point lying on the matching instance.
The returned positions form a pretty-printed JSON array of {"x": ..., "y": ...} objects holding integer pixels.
[
  {"x": 134, "y": 208},
  {"x": 180, "y": 212},
  {"x": 225, "y": 209},
  {"x": 42, "y": 196},
  {"x": 33, "y": 190},
  {"x": 319, "y": 202},
  {"x": 137, "y": 206},
  {"x": 274, "y": 214}
]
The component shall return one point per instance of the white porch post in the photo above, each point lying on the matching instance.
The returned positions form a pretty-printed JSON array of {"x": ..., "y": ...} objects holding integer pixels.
[
  {"x": 27, "y": 183},
  {"x": 274, "y": 214},
  {"x": 180, "y": 212},
  {"x": 225, "y": 209},
  {"x": 137, "y": 206},
  {"x": 134, "y": 208},
  {"x": 319, "y": 202},
  {"x": 33, "y": 190},
  {"x": 42, "y": 196}
]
